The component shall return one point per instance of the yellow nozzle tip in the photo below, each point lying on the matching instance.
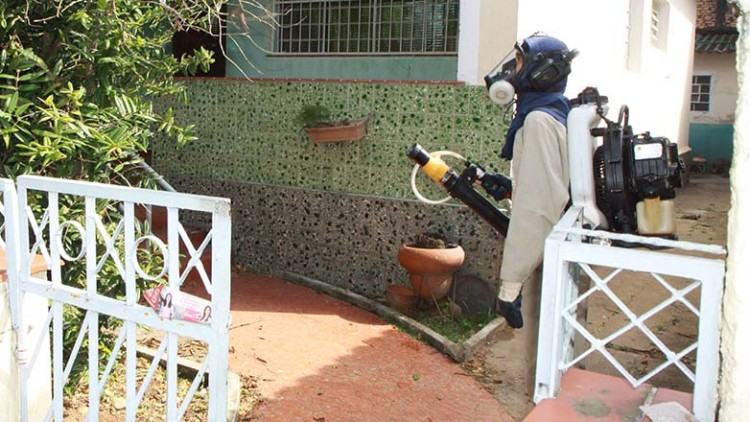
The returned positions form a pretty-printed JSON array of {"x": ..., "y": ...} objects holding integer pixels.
[{"x": 435, "y": 169}]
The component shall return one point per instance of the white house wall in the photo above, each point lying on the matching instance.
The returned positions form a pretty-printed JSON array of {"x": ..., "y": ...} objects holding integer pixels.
[
  {"x": 469, "y": 41},
  {"x": 723, "y": 100},
  {"x": 487, "y": 30},
  {"x": 655, "y": 86},
  {"x": 735, "y": 349},
  {"x": 498, "y": 31}
]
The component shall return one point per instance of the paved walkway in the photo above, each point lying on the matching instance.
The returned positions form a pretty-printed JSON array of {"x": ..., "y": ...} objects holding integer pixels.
[{"x": 319, "y": 359}]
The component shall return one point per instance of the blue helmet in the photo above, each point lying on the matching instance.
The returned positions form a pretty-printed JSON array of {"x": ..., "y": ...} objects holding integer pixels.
[{"x": 546, "y": 64}]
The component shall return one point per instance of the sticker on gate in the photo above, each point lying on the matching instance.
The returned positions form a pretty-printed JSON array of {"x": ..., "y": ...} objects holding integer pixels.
[{"x": 173, "y": 304}]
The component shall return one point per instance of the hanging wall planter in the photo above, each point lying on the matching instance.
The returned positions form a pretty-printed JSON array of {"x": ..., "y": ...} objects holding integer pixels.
[
  {"x": 320, "y": 128},
  {"x": 344, "y": 131}
]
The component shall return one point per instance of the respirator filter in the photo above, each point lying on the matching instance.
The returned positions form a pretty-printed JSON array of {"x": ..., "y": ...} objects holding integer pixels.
[
  {"x": 502, "y": 92},
  {"x": 499, "y": 81}
]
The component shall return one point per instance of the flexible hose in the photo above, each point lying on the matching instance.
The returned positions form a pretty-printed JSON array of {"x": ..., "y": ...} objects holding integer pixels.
[{"x": 436, "y": 154}]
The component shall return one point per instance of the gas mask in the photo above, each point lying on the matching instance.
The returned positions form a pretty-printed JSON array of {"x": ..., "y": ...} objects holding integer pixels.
[
  {"x": 545, "y": 64},
  {"x": 501, "y": 82}
]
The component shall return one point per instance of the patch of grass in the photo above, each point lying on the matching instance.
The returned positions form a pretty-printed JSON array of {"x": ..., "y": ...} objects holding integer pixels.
[
  {"x": 455, "y": 328},
  {"x": 408, "y": 331}
]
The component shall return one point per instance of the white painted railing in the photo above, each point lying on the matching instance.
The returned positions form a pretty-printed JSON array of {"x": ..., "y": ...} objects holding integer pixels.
[
  {"x": 571, "y": 250},
  {"x": 35, "y": 234},
  {"x": 14, "y": 357}
]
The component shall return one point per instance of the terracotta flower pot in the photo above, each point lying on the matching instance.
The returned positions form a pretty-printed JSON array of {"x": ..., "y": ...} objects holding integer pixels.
[
  {"x": 353, "y": 131},
  {"x": 431, "y": 270},
  {"x": 401, "y": 298}
]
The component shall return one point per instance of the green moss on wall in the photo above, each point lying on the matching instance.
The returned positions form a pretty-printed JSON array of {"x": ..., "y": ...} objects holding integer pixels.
[{"x": 247, "y": 132}]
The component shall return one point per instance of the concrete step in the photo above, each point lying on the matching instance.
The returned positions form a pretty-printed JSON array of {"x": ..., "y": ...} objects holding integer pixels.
[{"x": 587, "y": 396}]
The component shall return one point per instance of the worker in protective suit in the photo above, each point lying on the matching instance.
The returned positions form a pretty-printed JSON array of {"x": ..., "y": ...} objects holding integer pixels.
[{"x": 535, "y": 73}]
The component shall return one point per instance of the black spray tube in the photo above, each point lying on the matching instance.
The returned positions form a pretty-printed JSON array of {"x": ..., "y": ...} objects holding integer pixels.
[
  {"x": 460, "y": 188},
  {"x": 463, "y": 190}
]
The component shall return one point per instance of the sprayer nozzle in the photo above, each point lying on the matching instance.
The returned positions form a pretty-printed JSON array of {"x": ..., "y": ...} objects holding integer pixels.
[{"x": 418, "y": 154}]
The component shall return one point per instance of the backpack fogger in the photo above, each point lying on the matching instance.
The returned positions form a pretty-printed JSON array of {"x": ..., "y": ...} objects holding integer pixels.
[{"x": 624, "y": 182}]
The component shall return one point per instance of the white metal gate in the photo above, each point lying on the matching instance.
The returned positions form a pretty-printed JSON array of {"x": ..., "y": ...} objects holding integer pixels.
[
  {"x": 27, "y": 234},
  {"x": 566, "y": 255}
]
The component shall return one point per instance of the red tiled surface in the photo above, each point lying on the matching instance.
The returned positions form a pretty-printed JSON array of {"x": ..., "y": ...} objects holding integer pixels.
[
  {"x": 320, "y": 359},
  {"x": 588, "y": 396}
]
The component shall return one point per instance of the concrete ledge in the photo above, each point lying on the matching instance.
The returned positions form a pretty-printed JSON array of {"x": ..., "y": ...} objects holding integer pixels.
[{"x": 457, "y": 351}]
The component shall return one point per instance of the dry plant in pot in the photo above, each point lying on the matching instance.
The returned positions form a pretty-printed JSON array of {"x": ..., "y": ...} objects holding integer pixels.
[
  {"x": 431, "y": 261},
  {"x": 317, "y": 122}
]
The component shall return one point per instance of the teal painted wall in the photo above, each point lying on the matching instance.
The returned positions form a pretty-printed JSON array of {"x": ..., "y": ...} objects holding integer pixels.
[
  {"x": 712, "y": 141},
  {"x": 247, "y": 58}
]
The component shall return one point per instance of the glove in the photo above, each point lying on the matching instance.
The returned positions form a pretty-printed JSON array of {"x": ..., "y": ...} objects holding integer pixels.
[
  {"x": 511, "y": 311},
  {"x": 497, "y": 186}
]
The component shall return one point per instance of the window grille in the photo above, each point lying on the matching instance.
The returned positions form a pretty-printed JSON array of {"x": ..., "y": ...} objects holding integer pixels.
[
  {"x": 368, "y": 27},
  {"x": 655, "y": 18},
  {"x": 700, "y": 96},
  {"x": 659, "y": 23}
]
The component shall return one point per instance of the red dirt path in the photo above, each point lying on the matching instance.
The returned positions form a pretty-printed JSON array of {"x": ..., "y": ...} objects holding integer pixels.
[{"x": 320, "y": 359}]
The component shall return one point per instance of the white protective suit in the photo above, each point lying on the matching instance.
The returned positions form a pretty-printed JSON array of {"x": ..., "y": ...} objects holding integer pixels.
[{"x": 540, "y": 193}]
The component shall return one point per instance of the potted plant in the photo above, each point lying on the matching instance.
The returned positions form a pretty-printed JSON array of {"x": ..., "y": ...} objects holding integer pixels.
[
  {"x": 431, "y": 261},
  {"x": 322, "y": 129}
]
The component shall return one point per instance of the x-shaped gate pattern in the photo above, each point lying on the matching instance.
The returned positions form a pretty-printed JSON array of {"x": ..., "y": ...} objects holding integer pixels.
[
  {"x": 635, "y": 321},
  {"x": 571, "y": 250},
  {"x": 27, "y": 234}
]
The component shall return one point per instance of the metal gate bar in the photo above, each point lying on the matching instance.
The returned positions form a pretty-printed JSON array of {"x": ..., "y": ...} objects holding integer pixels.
[
  {"x": 566, "y": 252},
  {"x": 19, "y": 218}
]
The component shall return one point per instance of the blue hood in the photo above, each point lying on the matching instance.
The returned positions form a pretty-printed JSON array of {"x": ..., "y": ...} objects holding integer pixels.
[{"x": 552, "y": 101}]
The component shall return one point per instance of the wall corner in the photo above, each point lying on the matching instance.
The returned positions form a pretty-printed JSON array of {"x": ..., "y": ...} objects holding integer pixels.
[{"x": 468, "y": 42}]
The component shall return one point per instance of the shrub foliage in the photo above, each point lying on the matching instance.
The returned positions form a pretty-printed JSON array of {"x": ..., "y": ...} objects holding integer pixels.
[{"x": 77, "y": 80}]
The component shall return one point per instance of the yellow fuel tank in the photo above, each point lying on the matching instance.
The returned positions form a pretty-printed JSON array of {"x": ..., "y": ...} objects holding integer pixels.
[{"x": 656, "y": 217}]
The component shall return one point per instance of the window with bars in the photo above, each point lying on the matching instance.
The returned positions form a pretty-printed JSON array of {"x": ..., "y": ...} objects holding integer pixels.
[
  {"x": 655, "y": 18},
  {"x": 659, "y": 23},
  {"x": 700, "y": 97},
  {"x": 368, "y": 27}
]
